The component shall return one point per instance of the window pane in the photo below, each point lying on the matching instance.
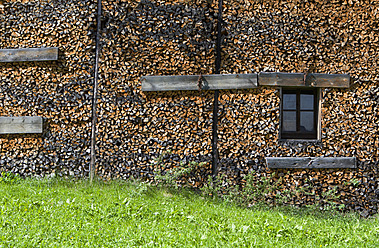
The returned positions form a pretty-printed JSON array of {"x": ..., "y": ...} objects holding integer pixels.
[
  {"x": 289, "y": 121},
  {"x": 289, "y": 101},
  {"x": 306, "y": 102},
  {"x": 307, "y": 122}
]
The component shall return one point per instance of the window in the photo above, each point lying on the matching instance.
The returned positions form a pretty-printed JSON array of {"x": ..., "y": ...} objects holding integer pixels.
[{"x": 299, "y": 113}]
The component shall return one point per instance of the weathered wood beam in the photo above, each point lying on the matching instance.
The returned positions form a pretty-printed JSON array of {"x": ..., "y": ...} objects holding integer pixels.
[
  {"x": 24, "y": 124},
  {"x": 208, "y": 82},
  {"x": 28, "y": 54},
  {"x": 305, "y": 80},
  {"x": 310, "y": 162},
  {"x": 244, "y": 81}
]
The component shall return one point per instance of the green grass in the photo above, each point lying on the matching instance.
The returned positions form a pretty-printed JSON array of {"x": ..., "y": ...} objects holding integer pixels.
[{"x": 54, "y": 213}]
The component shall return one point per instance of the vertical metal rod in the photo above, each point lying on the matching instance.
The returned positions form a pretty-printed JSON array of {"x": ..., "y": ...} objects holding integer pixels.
[
  {"x": 92, "y": 166},
  {"x": 216, "y": 93},
  {"x": 219, "y": 41}
]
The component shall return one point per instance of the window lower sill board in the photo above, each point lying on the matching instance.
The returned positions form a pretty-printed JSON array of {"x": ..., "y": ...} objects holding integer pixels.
[{"x": 311, "y": 162}]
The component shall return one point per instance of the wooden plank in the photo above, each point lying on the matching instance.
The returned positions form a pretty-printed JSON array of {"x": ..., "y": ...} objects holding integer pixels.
[
  {"x": 209, "y": 82},
  {"x": 280, "y": 79},
  {"x": 23, "y": 124},
  {"x": 297, "y": 79},
  {"x": 310, "y": 162},
  {"x": 28, "y": 54}
]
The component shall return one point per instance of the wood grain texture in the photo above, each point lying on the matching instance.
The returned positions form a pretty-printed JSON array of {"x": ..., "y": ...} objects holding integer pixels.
[
  {"x": 24, "y": 124},
  {"x": 310, "y": 162},
  {"x": 28, "y": 54},
  {"x": 304, "y": 80},
  {"x": 209, "y": 82}
]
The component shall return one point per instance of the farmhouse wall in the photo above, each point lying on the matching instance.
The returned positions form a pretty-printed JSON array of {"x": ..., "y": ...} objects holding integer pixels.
[
  {"x": 59, "y": 91},
  {"x": 154, "y": 38},
  {"x": 136, "y": 128},
  {"x": 304, "y": 36}
]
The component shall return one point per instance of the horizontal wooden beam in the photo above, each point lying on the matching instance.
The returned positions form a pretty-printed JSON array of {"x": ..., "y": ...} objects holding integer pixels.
[
  {"x": 208, "y": 82},
  {"x": 28, "y": 54},
  {"x": 244, "y": 81},
  {"x": 310, "y": 162},
  {"x": 23, "y": 124},
  {"x": 304, "y": 80}
]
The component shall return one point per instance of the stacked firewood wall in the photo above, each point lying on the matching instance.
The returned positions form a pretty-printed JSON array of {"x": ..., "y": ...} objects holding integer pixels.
[
  {"x": 59, "y": 91},
  {"x": 304, "y": 36},
  {"x": 142, "y": 134}
]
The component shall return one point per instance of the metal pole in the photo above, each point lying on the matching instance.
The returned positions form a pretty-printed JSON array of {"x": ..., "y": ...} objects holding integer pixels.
[
  {"x": 92, "y": 166},
  {"x": 216, "y": 93}
]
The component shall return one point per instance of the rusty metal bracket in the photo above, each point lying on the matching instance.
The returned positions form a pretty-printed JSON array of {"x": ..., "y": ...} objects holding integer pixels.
[
  {"x": 305, "y": 77},
  {"x": 200, "y": 82}
]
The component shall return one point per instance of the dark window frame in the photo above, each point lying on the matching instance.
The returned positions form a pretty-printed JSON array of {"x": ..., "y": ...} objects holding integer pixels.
[{"x": 299, "y": 134}]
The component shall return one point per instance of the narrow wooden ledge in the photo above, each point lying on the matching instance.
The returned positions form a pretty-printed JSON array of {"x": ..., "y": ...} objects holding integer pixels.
[
  {"x": 28, "y": 54},
  {"x": 244, "y": 81},
  {"x": 208, "y": 82},
  {"x": 311, "y": 162},
  {"x": 304, "y": 80},
  {"x": 24, "y": 124}
]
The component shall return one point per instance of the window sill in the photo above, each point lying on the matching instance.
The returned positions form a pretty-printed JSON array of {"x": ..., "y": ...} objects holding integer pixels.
[{"x": 297, "y": 141}]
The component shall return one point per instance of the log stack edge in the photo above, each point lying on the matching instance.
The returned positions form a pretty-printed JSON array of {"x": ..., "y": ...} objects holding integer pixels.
[{"x": 162, "y": 38}]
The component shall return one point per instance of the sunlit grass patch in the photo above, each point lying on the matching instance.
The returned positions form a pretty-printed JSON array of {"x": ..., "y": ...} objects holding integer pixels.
[{"x": 58, "y": 213}]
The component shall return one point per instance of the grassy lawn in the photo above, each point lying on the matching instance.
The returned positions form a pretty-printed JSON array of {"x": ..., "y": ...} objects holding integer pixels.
[{"x": 53, "y": 213}]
